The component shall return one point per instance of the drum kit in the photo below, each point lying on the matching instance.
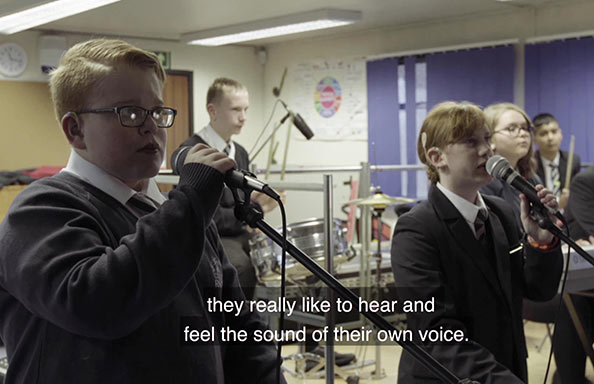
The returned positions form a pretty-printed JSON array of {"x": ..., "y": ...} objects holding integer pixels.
[
  {"x": 379, "y": 200},
  {"x": 308, "y": 236}
]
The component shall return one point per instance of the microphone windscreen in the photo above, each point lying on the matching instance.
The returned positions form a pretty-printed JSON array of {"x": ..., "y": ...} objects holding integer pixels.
[
  {"x": 302, "y": 126},
  {"x": 495, "y": 164},
  {"x": 178, "y": 159},
  {"x": 233, "y": 178}
]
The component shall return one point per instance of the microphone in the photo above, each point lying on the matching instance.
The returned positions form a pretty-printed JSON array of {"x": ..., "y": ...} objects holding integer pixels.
[
  {"x": 277, "y": 90},
  {"x": 233, "y": 178},
  {"x": 302, "y": 126},
  {"x": 298, "y": 122},
  {"x": 243, "y": 179},
  {"x": 178, "y": 159},
  {"x": 497, "y": 166}
]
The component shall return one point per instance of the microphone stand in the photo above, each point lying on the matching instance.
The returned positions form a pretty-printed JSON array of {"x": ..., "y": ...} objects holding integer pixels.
[
  {"x": 276, "y": 128},
  {"x": 290, "y": 114},
  {"x": 248, "y": 213}
]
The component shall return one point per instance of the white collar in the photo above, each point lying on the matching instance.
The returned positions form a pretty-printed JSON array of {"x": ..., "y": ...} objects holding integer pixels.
[
  {"x": 546, "y": 162},
  {"x": 467, "y": 209},
  {"x": 213, "y": 139},
  {"x": 97, "y": 177}
]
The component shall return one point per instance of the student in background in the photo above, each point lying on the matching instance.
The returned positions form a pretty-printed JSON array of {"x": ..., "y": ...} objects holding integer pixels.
[
  {"x": 467, "y": 251},
  {"x": 511, "y": 137},
  {"x": 99, "y": 273},
  {"x": 227, "y": 103},
  {"x": 552, "y": 161}
]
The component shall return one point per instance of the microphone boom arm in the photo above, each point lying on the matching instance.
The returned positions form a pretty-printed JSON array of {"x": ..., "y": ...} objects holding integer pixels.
[{"x": 274, "y": 130}]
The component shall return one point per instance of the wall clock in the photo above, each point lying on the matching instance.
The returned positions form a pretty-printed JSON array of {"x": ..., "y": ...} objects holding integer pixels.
[{"x": 13, "y": 59}]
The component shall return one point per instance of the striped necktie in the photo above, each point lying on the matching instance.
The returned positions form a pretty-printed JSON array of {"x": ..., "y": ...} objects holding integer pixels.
[
  {"x": 479, "y": 223},
  {"x": 141, "y": 205},
  {"x": 556, "y": 182},
  {"x": 227, "y": 149}
]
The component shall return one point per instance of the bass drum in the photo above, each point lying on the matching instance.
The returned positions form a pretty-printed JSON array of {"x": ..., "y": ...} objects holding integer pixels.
[{"x": 306, "y": 235}]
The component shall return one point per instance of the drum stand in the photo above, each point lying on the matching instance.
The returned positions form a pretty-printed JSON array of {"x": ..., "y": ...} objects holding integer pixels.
[
  {"x": 317, "y": 372},
  {"x": 378, "y": 206},
  {"x": 246, "y": 212},
  {"x": 378, "y": 202},
  {"x": 378, "y": 211}
]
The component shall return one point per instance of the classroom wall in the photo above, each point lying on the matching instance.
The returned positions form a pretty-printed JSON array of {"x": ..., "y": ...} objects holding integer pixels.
[
  {"x": 243, "y": 64},
  {"x": 518, "y": 23},
  {"x": 30, "y": 136},
  {"x": 240, "y": 63}
]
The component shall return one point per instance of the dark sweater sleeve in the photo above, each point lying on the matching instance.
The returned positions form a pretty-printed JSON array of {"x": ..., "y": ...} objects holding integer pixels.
[
  {"x": 61, "y": 261},
  {"x": 246, "y": 362}
]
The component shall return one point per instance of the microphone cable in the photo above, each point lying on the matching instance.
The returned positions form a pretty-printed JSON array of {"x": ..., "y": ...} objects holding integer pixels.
[
  {"x": 263, "y": 129},
  {"x": 281, "y": 319}
]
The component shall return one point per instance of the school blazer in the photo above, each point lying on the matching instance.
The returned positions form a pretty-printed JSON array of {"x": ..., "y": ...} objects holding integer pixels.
[
  {"x": 434, "y": 254},
  {"x": 581, "y": 205},
  {"x": 576, "y": 166}
]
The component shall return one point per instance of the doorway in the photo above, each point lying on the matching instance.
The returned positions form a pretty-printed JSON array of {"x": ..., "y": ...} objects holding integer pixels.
[{"x": 177, "y": 93}]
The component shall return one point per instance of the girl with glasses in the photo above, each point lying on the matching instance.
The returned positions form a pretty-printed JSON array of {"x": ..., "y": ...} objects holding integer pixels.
[{"x": 511, "y": 137}]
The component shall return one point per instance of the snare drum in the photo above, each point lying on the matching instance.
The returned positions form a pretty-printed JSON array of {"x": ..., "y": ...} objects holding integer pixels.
[{"x": 306, "y": 235}]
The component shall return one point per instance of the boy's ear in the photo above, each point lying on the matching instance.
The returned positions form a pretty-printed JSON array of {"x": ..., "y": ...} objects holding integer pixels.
[
  {"x": 212, "y": 110},
  {"x": 436, "y": 157},
  {"x": 72, "y": 128}
]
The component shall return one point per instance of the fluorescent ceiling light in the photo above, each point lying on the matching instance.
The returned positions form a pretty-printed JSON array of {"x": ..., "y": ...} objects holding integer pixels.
[
  {"x": 285, "y": 25},
  {"x": 27, "y": 14}
]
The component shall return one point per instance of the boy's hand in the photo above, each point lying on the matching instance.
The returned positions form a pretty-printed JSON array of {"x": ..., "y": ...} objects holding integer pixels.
[
  {"x": 267, "y": 203},
  {"x": 202, "y": 153},
  {"x": 534, "y": 232}
]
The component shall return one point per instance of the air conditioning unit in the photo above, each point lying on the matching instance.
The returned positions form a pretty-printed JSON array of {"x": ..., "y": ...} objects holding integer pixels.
[{"x": 51, "y": 49}]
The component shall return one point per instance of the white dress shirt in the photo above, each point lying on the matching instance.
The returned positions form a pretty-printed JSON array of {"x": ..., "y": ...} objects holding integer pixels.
[
  {"x": 213, "y": 139},
  {"x": 468, "y": 210},
  {"x": 546, "y": 165},
  {"x": 109, "y": 184}
]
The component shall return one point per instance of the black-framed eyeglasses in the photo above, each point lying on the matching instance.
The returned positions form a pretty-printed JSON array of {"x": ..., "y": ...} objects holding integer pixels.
[
  {"x": 515, "y": 130},
  {"x": 133, "y": 116}
]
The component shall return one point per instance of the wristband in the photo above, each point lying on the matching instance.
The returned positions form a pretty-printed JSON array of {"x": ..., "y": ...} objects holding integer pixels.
[{"x": 546, "y": 247}]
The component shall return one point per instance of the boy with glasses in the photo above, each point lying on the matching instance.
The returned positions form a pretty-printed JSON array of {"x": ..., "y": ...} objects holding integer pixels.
[
  {"x": 464, "y": 250},
  {"x": 100, "y": 275}
]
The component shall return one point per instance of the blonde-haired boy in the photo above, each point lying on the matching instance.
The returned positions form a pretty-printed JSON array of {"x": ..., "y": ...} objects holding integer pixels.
[{"x": 103, "y": 279}]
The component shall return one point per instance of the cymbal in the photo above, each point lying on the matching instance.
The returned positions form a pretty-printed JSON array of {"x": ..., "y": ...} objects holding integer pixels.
[{"x": 378, "y": 200}]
